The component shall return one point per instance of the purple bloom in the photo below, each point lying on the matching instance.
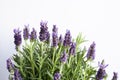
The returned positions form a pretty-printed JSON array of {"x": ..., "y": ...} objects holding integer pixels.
[
  {"x": 115, "y": 76},
  {"x": 33, "y": 35},
  {"x": 17, "y": 75},
  {"x": 67, "y": 40},
  {"x": 10, "y": 65},
  {"x": 91, "y": 52},
  {"x": 54, "y": 36},
  {"x": 55, "y": 29},
  {"x": 60, "y": 39},
  {"x": 48, "y": 37},
  {"x": 44, "y": 34},
  {"x": 17, "y": 37},
  {"x": 54, "y": 39},
  {"x": 26, "y": 32},
  {"x": 72, "y": 48},
  {"x": 101, "y": 73},
  {"x": 64, "y": 57},
  {"x": 57, "y": 76}
]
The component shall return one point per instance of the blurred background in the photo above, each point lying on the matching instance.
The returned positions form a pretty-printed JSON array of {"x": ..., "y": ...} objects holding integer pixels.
[{"x": 98, "y": 20}]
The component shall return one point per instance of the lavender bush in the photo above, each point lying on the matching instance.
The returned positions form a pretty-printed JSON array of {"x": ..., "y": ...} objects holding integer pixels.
[{"x": 45, "y": 57}]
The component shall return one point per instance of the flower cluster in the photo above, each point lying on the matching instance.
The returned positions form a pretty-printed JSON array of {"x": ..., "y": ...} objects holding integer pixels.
[
  {"x": 67, "y": 40},
  {"x": 10, "y": 65},
  {"x": 55, "y": 36},
  {"x": 26, "y": 32},
  {"x": 54, "y": 58},
  {"x": 33, "y": 35},
  {"x": 115, "y": 76},
  {"x": 72, "y": 48},
  {"x": 91, "y": 52},
  {"x": 44, "y": 33},
  {"x": 63, "y": 58},
  {"x": 101, "y": 73},
  {"x": 17, "y": 75},
  {"x": 17, "y": 37},
  {"x": 60, "y": 39},
  {"x": 11, "y": 68},
  {"x": 57, "y": 76}
]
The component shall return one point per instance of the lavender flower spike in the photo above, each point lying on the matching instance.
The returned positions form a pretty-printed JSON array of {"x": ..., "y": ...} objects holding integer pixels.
[
  {"x": 17, "y": 75},
  {"x": 57, "y": 76},
  {"x": 55, "y": 29},
  {"x": 17, "y": 37},
  {"x": 64, "y": 57},
  {"x": 60, "y": 39},
  {"x": 67, "y": 40},
  {"x": 115, "y": 76},
  {"x": 54, "y": 36},
  {"x": 10, "y": 65},
  {"x": 91, "y": 52},
  {"x": 33, "y": 35},
  {"x": 26, "y": 32},
  {"x": 72, "y": 48},
  {"x": 101, "y": 73},
  {"x": 44, "y": 34}
]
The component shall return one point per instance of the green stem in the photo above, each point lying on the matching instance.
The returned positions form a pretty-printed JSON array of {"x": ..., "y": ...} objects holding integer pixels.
[
  {"x": 53, "y": 55},
  {"x": 21, "y": 61},
  {"x": 41, "y": 59},
  {"x": 61, "y": 68},
  {"x": 53, "y": 59},
  {"x": 58, "y": 54},
  {"x": 85, "y": 72},
  {"x": 69, "y": 61},
  {"x": 31, "y": 56}
]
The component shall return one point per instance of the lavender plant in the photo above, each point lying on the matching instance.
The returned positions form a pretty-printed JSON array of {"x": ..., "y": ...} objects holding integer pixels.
[{"x": 55, "y": 58}]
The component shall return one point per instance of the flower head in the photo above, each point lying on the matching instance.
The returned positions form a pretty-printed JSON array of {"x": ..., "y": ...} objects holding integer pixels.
[
  {"x": 60, "y": 39},
  {"x": 67, "y": 40},
  {"x": 17, "y": 37},
  {"x": 91, "y": 52},
  {"x": 115, "y": 76},
  {"x": 64, "y": 57},
  {"x": 33, "y": 35},
  {"x": 10, "y": 65},
  {"x": 17, "y": 75},
  {"x": 44, "y": 33},
  {"x": 55, "y": 29},
  {"x": 101, "y": 73},
  {"x": 57, "y": 76},
  {"x": 26, "y": 32},
  {"x": 72, "y": 48},
  {"x": 54, "y": 36}
]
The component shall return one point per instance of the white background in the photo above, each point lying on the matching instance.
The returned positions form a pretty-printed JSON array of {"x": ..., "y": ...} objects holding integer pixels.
[{"x": 98, "y": 20}]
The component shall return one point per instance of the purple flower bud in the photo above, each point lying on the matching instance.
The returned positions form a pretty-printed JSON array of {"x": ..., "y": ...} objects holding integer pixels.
[
  {"x": 55, "y": 29},
  {"x": 60, "y": 39},
  {"x": 54, "y": 39},
  {"x": 101, "y": 73},
  {"x": 17, "y": 37},
  {"x": 72, "y": 48},
  {"x": 43, "y": 25},
  {"x": 91, "y": 52},
  {"x": 33, "y": 35},
  {"x": 10, "y": 65},
  {"x": 115, "y": 76},
  {"x": 67, "y": 40},
  {"x": 57, "y": 76},
  {"x": 47, "y": 36},
  {"x": 17, "y": 75},
  {"x": 26, "y": 32},
  {"x": 54, "y": 36},
  {"x": 44, "y": 34},
  {"x": 64, "y": 57}
]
